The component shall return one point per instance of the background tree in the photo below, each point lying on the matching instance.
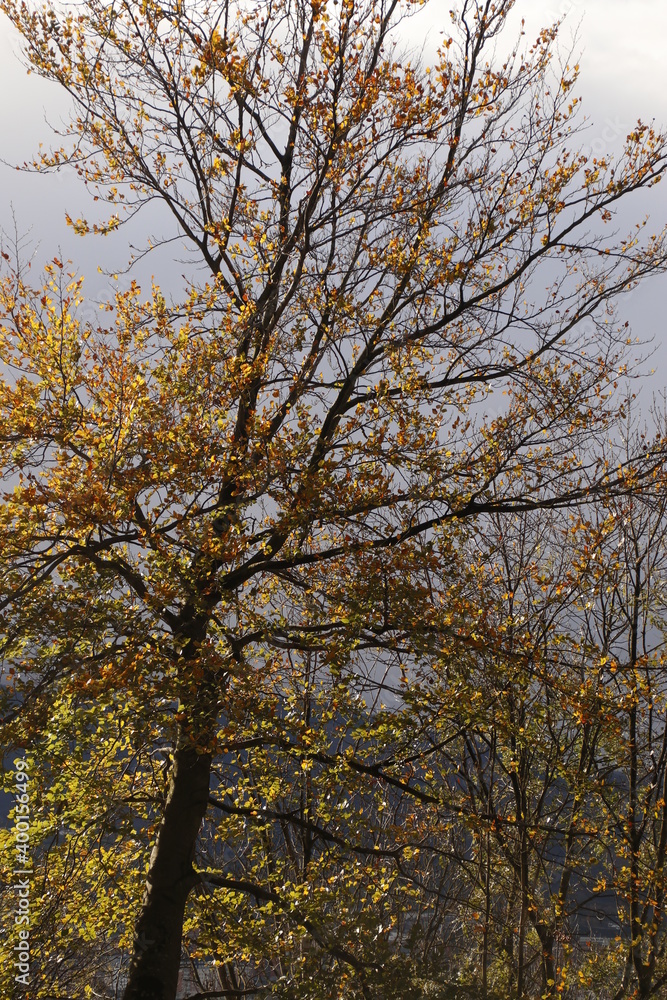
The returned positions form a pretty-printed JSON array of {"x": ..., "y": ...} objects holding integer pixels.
[
  {"x": 228, "y": 509},
  {"x": 624, "y": 616}
]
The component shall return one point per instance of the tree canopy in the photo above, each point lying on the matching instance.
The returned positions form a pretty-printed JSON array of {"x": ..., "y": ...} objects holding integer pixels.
[{"x": 331, "y": 582}]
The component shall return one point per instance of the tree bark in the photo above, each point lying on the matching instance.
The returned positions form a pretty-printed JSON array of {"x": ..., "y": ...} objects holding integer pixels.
[{"x": 156, "y": 959}]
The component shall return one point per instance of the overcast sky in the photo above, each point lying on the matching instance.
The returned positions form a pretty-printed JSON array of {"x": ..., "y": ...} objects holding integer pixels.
[{"x": 621, "y": 46}]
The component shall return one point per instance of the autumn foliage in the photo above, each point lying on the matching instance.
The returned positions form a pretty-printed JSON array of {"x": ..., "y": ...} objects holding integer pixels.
[{"x": 332, "y": 582}]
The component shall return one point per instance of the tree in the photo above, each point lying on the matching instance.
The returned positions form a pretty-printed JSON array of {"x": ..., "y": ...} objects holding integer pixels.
[
  {"x": 625, "y": 626},
  {"x": 227, "y": 511}
]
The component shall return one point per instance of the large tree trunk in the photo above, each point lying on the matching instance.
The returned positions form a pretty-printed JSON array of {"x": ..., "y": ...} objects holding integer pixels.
[{"x": 157, "y": 947}]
